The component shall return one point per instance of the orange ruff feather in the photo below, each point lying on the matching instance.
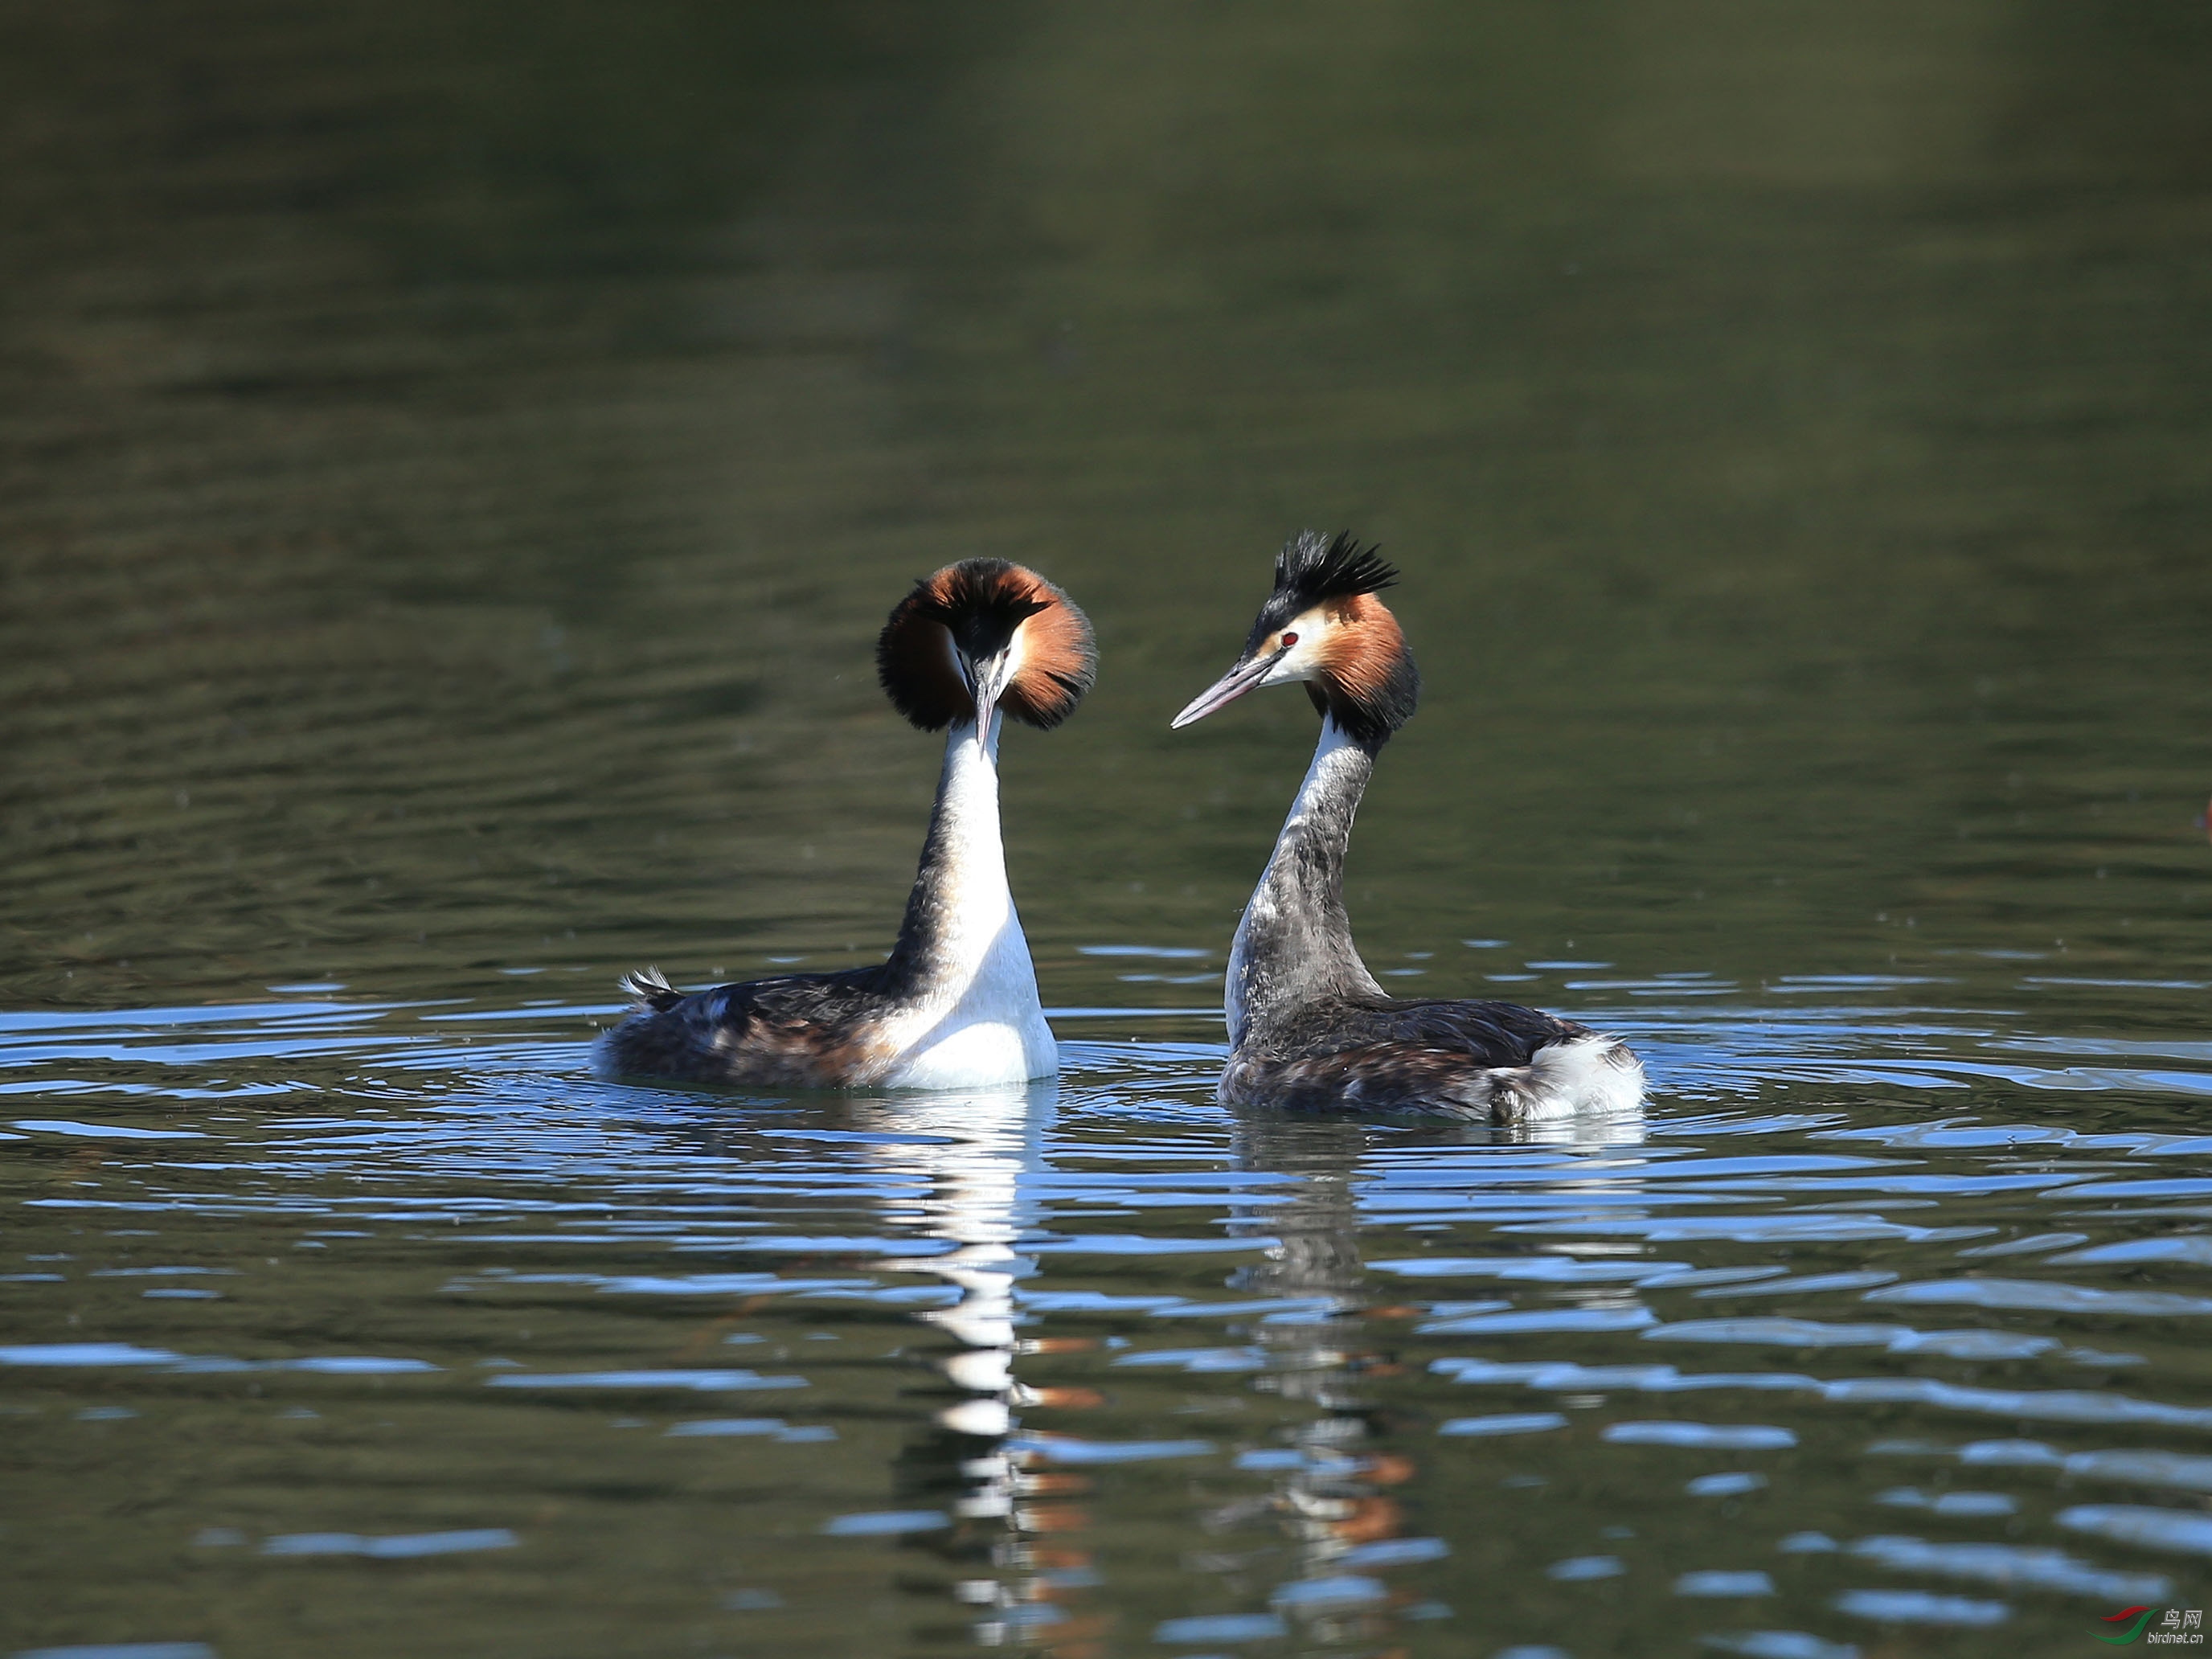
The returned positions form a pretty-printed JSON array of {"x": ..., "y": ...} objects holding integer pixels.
[
  {"x": 1053, "y": 651},
  {"x": 1057, "y": 659},
  {"x": 915, "y": 660},
  {"x": 1361, "y": 649}
]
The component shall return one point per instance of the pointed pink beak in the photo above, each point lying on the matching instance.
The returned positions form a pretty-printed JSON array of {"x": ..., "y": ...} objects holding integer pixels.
[{"x": 1226, "y": 689}]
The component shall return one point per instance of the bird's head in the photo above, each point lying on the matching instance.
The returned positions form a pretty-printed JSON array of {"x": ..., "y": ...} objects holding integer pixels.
[
  {"x": 1324, "y": 628},
  {"x": 984, "y": 634}
]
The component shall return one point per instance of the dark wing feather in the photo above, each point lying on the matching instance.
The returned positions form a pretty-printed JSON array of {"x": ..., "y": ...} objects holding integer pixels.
[
  {"x": 794, "y": 1031},
  {"x": 1494, "y": 1033},
  {"x": 1388, "y": 1054},
  {"x": 1383, "y": 1076},
  {"x": 1477, "y": 1033}
]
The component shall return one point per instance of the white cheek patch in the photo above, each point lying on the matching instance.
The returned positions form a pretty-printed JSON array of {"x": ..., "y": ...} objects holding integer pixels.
[
  {"x": 1011, "y": 660},
  {"x": 1302, "y": 660}
]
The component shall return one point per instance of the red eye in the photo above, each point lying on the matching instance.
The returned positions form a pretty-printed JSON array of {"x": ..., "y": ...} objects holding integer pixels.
[{"x": 1289, "y": 640}]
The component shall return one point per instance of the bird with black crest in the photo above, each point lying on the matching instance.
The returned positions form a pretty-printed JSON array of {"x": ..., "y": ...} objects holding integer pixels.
[
  {"x": 1309, "y": 1027},
  {"x": 956, "y": 1005}
]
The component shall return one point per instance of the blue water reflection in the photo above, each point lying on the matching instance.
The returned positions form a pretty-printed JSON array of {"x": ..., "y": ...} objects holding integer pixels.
[{"x": 1098, "y": 1344}]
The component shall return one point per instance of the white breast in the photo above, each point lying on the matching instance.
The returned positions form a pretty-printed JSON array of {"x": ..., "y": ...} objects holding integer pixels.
[{"x": 993, "y": 1031}]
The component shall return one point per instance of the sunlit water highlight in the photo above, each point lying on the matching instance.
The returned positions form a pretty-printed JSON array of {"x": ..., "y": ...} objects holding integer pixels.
[
  {"x": 454, "y": 462},
  {"x": 1842, "y": 1337}
]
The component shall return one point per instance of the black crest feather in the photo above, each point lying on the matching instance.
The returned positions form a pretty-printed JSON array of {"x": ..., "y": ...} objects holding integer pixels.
[
  {"x": 1312, "y": 567},
  {"x": 982, "y": 601}
]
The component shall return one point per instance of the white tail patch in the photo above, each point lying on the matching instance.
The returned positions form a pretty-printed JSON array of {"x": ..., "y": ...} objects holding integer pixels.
[{"x": 1595, "y": 1075}]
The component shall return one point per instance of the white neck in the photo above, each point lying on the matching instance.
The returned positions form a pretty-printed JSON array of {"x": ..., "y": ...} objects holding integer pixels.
[
  {"x": 977, "y": 905},
  {"x": 974, "y": 1016}
]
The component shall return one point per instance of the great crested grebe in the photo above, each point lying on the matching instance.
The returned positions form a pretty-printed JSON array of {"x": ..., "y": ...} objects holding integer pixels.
[
  {"x": 1309, "y": 1027},
  {"x": 956, "y": 1005}
]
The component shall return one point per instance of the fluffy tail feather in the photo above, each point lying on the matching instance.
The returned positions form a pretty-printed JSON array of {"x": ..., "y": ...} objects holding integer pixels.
[
  {"x": 649, "y": 987},
  {"x": 1595, "y": 1074}
]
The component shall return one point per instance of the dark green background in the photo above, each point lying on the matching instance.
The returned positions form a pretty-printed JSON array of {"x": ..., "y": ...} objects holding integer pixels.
[{"x": 456, "y": 458}]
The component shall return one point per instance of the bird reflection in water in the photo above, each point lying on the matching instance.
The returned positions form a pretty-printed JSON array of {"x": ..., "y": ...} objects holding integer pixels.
[
  {"x": 974, "y": 1158},
  {"x": 1337, "y": 1491},
  {"x": 1018, "y": 1551}
]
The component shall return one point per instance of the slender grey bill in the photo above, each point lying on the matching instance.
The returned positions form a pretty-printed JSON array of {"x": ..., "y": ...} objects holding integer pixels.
[
  {"x": 1226, "y": 689},
  {"x": 987, "y": 678}
]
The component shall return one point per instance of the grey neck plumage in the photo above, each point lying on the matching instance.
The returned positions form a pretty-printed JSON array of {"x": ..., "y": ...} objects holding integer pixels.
[{"x": 1293, "y": 947}]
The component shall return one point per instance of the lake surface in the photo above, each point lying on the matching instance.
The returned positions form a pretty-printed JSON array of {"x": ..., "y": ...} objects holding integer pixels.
[{"x": 452, "y": 464}]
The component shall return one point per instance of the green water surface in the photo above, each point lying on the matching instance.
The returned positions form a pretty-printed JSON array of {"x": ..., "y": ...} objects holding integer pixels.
[{"x": 453, "y": 460}]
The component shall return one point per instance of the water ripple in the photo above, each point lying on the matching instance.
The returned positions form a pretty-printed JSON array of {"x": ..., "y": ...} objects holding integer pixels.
[{"x": 1106, "y": 1307}]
